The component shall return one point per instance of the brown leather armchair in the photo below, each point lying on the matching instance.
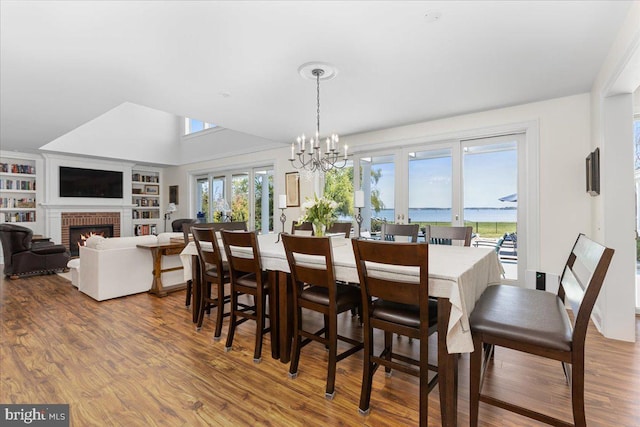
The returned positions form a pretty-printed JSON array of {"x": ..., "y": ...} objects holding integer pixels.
[
  {"x": 23, "y": 257},
  {"x": 176, "y": 225}
]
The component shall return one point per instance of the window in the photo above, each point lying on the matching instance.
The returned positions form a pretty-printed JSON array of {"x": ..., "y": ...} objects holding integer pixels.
[
  {"x": 194, "y": 125},
  {"x": 456, "y": 182}
]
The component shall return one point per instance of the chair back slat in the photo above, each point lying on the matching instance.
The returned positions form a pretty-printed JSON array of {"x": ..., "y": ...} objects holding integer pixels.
[
  {"x": 243, "y": 253},
  {"x": 374, "y": 257},
  {"x": 310, "y": 260},
  {"x": 232, "y": 225},
  {"x": 303, "y": 228},
  {"x": 582, "y": 280},
  {"x": 340, "y": 227}
]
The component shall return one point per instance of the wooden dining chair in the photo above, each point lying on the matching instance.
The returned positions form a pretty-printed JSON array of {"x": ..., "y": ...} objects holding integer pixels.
[
  {"x": 391, "y": 231},
  {"x": 217, "y": 226},
  {"x": 302, "y": 228},
  {"x": 395, "y": 306},
  {"x": 213, "y": 271},
  {"x": 448, "y": 235},
  {"x": 248, "y": 278},
  {"x": 315, "y": 289},
  {"x": 341, "y": 227},
  {"x": 536, "y": 322}
]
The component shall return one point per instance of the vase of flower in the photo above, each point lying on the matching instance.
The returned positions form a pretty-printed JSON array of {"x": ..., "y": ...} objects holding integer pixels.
[
  {"x": 319, "y": 229},
  {"x": 320, "y": 212}
]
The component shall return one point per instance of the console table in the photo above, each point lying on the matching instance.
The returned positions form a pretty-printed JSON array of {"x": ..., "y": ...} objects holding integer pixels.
[{"x": 158, "y": 250}]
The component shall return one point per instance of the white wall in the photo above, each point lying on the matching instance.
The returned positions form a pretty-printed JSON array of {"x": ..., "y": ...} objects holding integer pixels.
[{"x": 613, "y": 211}]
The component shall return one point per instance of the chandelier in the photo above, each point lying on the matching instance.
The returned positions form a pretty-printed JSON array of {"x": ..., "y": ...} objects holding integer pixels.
[{"x": 308, "y": 155}]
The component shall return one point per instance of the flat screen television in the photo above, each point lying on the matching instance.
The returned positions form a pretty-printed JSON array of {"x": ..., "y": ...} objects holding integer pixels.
[{"x": 79, "y": 182}]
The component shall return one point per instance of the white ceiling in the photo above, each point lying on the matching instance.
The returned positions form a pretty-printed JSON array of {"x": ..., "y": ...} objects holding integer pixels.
[{"x": 65, "y": 63}]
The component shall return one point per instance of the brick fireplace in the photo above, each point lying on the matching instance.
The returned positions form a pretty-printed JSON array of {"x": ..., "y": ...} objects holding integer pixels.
[{"x": 87, "y": 219}]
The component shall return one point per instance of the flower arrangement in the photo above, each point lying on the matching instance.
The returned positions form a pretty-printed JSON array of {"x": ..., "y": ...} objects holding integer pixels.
[{"x": 321, "y": 212}]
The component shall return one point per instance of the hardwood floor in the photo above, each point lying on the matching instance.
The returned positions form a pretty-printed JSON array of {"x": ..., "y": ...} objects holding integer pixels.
[{"x": 138, "y": 361}]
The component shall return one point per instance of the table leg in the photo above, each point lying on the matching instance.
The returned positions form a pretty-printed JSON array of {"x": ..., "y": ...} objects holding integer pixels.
[
  {"x": 274, "y": 314},
  {"x": 285, "y": 315},
  {"x": 196, "y": 287},
  {"x": 447, "y": 368},
  {"x": 156, "y": 285}
]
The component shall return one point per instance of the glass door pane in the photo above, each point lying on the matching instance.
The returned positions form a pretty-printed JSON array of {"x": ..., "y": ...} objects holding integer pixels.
[
  {"x": 490, "y": 176},
  {"x": 430, "y": 187},
  {"x": 378, "y": 180},
  {"x": 240, "y": 197},
  {"x": 202, "y": 199},
  {"x": 263, "y": 200},
  {"x": 338, "y": 186},
  {"x": 218, "y": 197}
]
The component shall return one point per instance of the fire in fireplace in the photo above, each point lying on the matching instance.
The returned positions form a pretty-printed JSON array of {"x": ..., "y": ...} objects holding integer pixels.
[{"x": 79, "y": 234}]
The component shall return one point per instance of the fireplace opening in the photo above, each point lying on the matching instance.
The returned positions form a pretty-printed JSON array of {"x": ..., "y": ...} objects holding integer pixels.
[{"x": 79, "y": 234}]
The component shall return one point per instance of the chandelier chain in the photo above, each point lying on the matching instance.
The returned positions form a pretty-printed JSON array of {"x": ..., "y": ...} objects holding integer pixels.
[{"x": 312, "y": 158}]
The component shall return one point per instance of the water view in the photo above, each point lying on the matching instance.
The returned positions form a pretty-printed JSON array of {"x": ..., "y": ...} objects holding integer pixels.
[{"x": 444, "y": 215}]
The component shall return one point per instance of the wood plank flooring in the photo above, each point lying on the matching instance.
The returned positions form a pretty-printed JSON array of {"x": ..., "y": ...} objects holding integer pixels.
[{"x": 138, "y": 361}]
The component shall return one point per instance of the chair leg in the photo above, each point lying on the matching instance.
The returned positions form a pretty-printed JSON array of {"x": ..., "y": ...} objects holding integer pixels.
[
  {"x": 577, "y": 391},
  {"x": 475, "y": 373},
  {"x": 232, "y": 320},
  {"x": 333, "y": 357},
  {"x": 326, "y": 330},
  {"x": 187, "y": 301},
  {"x": 388, "y": 348},
  {"x": 297, "y": 341},
  {"x": 261, "y": 302},
  {"x": 367, "y": 371},
  {"x": 220, "y": 314},
  {"x": 203, "y": 306}
]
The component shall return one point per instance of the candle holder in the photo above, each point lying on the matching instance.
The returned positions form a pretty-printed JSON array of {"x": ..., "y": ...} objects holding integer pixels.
[
  {"x": 283, "y": 219},
  {"x": 359, "y": 221}
]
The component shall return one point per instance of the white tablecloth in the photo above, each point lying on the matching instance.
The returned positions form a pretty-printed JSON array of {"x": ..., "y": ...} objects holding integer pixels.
[{"x": 458, "y": 273}]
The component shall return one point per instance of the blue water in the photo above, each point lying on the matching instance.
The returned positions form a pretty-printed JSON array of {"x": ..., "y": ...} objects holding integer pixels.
[{"x": 444, "y": 215}]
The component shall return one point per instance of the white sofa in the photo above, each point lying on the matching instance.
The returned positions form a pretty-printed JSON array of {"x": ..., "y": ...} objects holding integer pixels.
[{"x": 115, "y": 267}]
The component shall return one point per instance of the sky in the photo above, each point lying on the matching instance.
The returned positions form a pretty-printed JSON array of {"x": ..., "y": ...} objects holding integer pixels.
[{"x": 486, "y": 177}]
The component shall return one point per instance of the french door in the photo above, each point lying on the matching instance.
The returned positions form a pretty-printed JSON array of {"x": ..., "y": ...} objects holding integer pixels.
[
  {"x": 242, "y": 195},
  {"x": 470, "y": 182}
]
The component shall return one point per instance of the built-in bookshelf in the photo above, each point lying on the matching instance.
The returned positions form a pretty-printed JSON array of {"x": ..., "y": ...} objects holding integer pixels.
[
  {"x": 17, "y": 190},
  {"x": 145, "y": 195}
]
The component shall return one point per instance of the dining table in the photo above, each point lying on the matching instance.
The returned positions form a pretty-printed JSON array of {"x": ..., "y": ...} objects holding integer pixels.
[{"x": 457, "y": 277}]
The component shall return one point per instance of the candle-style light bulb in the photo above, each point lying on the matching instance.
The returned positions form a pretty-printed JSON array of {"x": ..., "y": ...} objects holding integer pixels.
[
  {"x": 292, "y": 151},
  {"x": 345, "y": 152}
]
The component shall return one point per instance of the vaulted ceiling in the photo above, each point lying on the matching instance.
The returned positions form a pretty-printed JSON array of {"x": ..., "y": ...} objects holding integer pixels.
[{"x": 70, "y": 70}]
